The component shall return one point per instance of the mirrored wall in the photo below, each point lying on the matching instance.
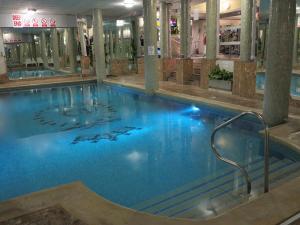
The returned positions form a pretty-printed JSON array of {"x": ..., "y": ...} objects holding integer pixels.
[{"x": 40, "y": 52}]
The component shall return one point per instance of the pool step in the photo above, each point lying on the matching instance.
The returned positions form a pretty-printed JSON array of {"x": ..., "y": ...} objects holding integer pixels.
[
  {"x": 223, "y": 202},
  {"x": 201, "y": 195},
  {"x": 206, "y": 185},
  {"x": 195, "y": 199}
]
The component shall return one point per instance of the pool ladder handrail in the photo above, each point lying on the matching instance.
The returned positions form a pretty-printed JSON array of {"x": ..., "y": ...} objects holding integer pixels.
[{"x": 235, "y": 164}]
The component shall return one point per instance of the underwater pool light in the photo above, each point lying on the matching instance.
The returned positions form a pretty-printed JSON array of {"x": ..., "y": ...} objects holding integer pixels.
[{"x": 195, "y": 108}]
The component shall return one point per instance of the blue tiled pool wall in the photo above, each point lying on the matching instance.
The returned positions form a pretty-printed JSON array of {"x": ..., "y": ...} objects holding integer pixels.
[
  {"x": 295, "y": 83},
  {"x": 23, "y": 74}
]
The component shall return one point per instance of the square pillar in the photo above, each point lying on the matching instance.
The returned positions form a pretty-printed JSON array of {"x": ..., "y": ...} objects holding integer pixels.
[
  {"x": 99, "y": 54},
  {"x": 244, "y": 79},
  {"x": 207, "y": 65},
  {"x": 85, "y": 65},
  {"x": 119, "y": 67},
  {"x": 168, "y": 66},
  {"x": 160, "y": 65},
  {"x": 184, "y": 70},
  {"x": 294, "y": 102},
  {"x": 150, "y": 46},
  {"x": 140, "y": 66},
  {"x": 3, "y": 70}
]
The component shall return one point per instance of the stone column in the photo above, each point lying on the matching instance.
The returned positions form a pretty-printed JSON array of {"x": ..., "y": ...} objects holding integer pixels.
[
  {"x": 62, "y": 37},
  {"x": 244, "y": 70},
  {"x": 2, "y": 51},
  {"x": 44, "y": 49},
  {"x": 137, "y": 36},
  {"x": 29, "y": 51},
  {"x": 22, "y": 51},
  {"x": 55, "y": 48},
  {"x": 122, "y": 45},
  {"x": 33, "y": 47},
  {"x": 262, "y": 57},
  {"x": 209, "y": 62},
  {"x": 16, "y": 54},
  {"x": 164, "y": 29},
  {"x": 254, "y": 30},
  {"x": 295, "y": 50},
  {"x": 71, "y": 49},
  {"x": 106, "y": 41},
  {"x": 151, "y": 66},
  {"x": 106, "y": 52},
  {"x": 184, "y": 68},
  {"x": 99, "y": 45},
  {"x": 118, "y": 42},
  {"x": 246, "y": 29},
  {"x": 111, "y": 44},
  {"x": 279, "y": 63},
  {"x": 82, "y": 38},
  {"x": 185, "y": 29},
  {"x": 211, "y": 28},
  {"x": 135, "y": 46},
  {"x": 3, "y": 66}
]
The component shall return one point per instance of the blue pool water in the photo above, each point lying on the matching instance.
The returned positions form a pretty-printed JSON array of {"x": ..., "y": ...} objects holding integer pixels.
[
  {"x": 295, "y": 83},
  {"x": 23, "y": 74},
  {"x": 124, "y": 145}
]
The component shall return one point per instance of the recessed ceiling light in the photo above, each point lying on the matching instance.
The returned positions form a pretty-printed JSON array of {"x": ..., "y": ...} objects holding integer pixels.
[{"x": 129, "y": 3}]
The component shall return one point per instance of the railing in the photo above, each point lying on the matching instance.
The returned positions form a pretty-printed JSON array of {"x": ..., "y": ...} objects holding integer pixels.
[{"x": 235, "y": 164}]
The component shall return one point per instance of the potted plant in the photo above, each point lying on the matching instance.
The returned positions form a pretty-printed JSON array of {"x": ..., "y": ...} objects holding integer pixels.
[{"x": 220, "y": 79}]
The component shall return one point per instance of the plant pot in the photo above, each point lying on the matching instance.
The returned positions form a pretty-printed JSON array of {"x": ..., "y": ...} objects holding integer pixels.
[{"x": 221, "y": 84}]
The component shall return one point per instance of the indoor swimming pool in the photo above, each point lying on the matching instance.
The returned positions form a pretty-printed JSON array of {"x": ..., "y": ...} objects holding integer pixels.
[
  {"x": 24, "y": 74},
  {"x": 295, "y": 83},
  {"x": 144, "y": 152}
]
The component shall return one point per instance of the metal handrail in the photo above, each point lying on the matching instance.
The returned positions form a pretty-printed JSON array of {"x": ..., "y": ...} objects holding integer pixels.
[{"x": 235, "y": 164}]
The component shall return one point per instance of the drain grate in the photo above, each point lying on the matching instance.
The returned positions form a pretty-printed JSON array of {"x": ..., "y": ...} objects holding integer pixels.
[{"x": 55, "y": 215}]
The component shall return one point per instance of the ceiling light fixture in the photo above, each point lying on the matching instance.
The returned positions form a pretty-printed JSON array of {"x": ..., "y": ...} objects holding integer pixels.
[
  {"x": 129, "y": 3},
  {"x": 120, "y": 23},
  {"x": 31, "y": 11},
  {"x": 225, "y": 6}
]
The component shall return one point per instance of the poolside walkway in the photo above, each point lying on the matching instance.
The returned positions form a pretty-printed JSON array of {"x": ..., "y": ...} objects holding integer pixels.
[{"x": 86, "y": 207}]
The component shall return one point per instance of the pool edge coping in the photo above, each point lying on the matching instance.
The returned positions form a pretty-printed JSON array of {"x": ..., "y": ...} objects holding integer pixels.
[{"x": 47, "y": 84}]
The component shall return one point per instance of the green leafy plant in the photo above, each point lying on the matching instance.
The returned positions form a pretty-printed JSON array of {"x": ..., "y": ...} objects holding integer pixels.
[{"x": 220, "y": 74}]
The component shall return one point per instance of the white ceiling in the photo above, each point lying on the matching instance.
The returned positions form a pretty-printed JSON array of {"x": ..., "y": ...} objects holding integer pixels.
[{"x": 111, "y": 8}]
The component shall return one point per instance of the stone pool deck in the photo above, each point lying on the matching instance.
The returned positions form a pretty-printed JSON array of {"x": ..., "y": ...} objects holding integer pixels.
[
  {"x": 44, "y": 82},
  {"x": 76, "y": 203}
]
